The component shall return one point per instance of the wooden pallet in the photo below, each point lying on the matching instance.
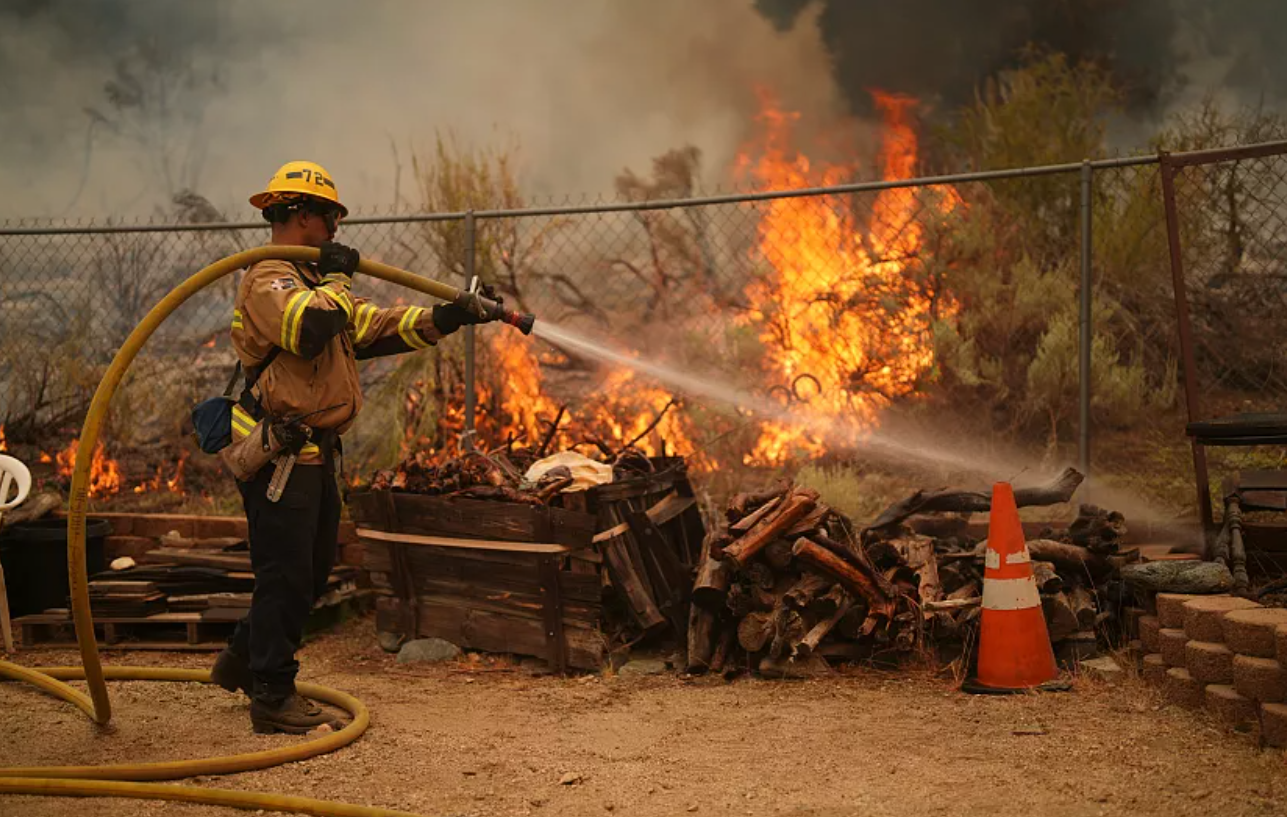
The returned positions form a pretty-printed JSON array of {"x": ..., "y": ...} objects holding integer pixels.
[
  {"x": 205, "y": 630},
  {"x": 163, "y": 631}
]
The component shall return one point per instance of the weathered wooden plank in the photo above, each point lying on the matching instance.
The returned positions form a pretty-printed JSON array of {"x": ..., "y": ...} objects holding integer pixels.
[
  {"x": 476, "y": 628},
  {"x": 453, "y": 542},
  {"x": 471, "y": 518}
]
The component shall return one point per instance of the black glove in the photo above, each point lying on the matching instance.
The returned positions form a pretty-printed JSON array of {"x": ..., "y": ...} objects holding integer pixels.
[
  {"x": 292, "y": 436},
  {"x": 337, "y": 258},
  {"x": 447, "y": 318}
]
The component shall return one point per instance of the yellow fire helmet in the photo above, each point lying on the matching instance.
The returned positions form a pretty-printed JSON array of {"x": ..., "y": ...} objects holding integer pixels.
[{"x": 294, "y": 179}]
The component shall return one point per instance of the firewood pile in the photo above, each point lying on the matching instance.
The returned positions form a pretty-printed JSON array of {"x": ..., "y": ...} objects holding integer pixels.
[{"x": 787, "y": 582}]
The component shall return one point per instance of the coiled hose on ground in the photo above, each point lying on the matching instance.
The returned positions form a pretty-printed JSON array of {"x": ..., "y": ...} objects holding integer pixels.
[{"x": 128, "y": 779}]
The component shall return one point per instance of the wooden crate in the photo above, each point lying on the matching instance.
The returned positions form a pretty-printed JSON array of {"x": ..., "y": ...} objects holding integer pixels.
[{"x": 495, "y": 576}]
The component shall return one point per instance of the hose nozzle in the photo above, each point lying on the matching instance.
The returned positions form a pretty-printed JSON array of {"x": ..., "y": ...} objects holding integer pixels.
[{"x": 485, "y": 307}]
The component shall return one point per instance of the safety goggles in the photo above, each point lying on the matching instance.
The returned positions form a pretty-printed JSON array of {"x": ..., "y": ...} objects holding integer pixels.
[{"x": 331, "y": 215}]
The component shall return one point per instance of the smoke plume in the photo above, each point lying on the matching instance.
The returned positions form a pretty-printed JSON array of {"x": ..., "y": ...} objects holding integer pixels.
[
  {"x": 1157, "y": 50},
  {"x": 112, "y": 106}
]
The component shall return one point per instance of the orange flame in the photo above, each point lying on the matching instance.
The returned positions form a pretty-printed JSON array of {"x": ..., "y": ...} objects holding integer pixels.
[
  {"x": 4, "y": 446},
  {"x": 845, "y": 328},
  {"x": 104, "y": 472},
  {"x": 159, "y": 482}
]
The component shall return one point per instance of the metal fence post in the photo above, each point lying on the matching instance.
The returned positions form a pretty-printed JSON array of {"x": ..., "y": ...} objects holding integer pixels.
[
  {"x": 1085, "y": 338},
  {"x": 471, "y": 395}
]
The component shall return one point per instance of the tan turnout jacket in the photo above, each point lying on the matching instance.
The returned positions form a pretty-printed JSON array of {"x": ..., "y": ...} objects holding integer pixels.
[{"x": 276, "y": 306}]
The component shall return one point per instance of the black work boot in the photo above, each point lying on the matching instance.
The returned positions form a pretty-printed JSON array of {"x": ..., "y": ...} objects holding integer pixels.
[
  {"x": 293, "y": 714},
  {"x": 232, "y": 672}
]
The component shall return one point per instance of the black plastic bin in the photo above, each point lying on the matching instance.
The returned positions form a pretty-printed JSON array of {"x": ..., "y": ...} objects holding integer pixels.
[{"x": 34, "y": 555}]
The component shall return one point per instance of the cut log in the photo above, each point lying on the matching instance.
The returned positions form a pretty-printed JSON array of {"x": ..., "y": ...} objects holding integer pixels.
[
  {"x": 826, "y": 604},
  {"x": 788, "y": 628},
  {"x": 851, "y": 623},
  {"x": 36, "y": 507},
  {"x": 743, "y": 504},
  {"x": 794, "y": 508},
  {"x": 1061, "y": 619},
  {"x": 806, "y": 646},
  {"x": 1059, "y": 491},
  {"x": 777, "y": 555},
  {"x": 807, "y": 588},
  {"x": 947, "y": 605},
  {"x": 858, "y": 558},
  {"x": 815, "y": 520},
  {"x": 918, "y": 552},
  {"x": 755, "y": 631},
  {"x": 1071, "y": 560},
  {"x": 739, "y": 602},
  {"x": 749, "y": 521},
  {"x": 878, "y": 602},
  {"x": 1083, "y": 605},
  {"x": 710, "y": 590},
  {"x": 701, "y": 632},
  {"x": 1098, "y": 529},
  {"x": 722, "y": 648},
  {"x": 1048, "y": 580},
  {"x": 760, "y": 575}
]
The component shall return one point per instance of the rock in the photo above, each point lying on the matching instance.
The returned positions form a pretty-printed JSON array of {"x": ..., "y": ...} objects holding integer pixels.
[
  {"x": 123, "y": 563},
  {"x": 643, "y": 666},
  {"x": 1203, "y": 578},
  {"x": 1172, "y": 644},
  {"x": 1253, "y": 632},
  {"x": 1260, "y": 679},
  {"x": 1204, "y": 616},
  {"x": 389, "y": 642},
  {"x": 1104, "y": 669},
  {"x": 324, "y": 729},
  {"x": 570, "y": 779},
  {"x": 1209, "y": 662},
  {"x": 428, "y": 649},
  {"x": 812, "y": 667}
]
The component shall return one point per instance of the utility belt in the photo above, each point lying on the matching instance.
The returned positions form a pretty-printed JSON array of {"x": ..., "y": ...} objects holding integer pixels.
[{"x": 326, "y": 442}]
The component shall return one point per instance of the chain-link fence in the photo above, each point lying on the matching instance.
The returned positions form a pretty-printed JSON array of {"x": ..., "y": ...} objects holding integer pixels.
[
  {"x": 840, "y": 301},
  {"x": 1227, "y": 226}
]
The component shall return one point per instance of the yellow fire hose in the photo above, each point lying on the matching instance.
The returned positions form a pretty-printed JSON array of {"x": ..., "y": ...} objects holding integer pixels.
[{"x": 120, "y": 780}]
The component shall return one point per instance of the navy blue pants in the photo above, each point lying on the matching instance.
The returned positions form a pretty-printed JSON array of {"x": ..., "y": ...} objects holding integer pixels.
[{"x": 292, "y": 550}]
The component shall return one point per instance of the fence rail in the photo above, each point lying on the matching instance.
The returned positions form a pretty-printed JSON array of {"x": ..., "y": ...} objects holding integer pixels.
[{"x": 841, "y": 290}]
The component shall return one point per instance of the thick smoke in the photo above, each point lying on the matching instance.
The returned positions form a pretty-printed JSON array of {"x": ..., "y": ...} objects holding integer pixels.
[
  {"x": 1156, "y": 49},
  {"x": 216, "y": 95}
]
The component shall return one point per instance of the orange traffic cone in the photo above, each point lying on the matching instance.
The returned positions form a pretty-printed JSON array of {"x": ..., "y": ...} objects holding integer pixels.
[{"x": 1014, "y": 646}]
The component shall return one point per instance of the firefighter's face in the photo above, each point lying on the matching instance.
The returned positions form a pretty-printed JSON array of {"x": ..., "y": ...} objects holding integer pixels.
[{"x": 319, "y": 225}]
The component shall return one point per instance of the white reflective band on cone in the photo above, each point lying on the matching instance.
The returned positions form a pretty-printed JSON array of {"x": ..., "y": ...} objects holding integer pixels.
[{"x": 1010, "y": 594}]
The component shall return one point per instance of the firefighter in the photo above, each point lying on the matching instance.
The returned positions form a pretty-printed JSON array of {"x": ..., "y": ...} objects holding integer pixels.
[{"x": 298, "y": 331}]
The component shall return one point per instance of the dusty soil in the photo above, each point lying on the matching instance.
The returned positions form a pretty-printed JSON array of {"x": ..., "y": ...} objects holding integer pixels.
[{"x": 483, "y": 739}]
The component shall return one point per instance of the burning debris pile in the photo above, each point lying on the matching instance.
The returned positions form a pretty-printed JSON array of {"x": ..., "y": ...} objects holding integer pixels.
[
  {"x": 497, "y": 474},
  {"x": 787, "y": 581}
]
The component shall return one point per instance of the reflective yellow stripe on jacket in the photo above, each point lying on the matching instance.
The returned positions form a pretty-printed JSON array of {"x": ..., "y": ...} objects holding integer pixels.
[{"x": 243, "y": 424}]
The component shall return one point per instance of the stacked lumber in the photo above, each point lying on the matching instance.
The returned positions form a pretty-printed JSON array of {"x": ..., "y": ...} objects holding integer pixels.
[
  {"x": 787, "y": 578},
  {"x": 193, "y": 576}
]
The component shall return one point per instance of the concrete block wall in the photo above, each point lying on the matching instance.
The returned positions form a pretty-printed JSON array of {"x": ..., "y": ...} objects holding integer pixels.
[{"x": 1223, "y": 653}]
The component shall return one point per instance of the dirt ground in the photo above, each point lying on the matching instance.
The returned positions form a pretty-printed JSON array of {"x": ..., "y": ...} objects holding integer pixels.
[{"x": 471, "y": 739}]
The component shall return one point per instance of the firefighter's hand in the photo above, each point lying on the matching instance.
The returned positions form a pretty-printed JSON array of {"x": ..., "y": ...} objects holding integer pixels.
[
  {"x": 292, "y": 436},
  {"x": 449, "y": 317},
  {"x": 337, "y": 257}
]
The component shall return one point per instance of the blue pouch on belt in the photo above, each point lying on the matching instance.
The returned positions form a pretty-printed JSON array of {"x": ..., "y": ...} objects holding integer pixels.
[{"x": 212, "y": 422}]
